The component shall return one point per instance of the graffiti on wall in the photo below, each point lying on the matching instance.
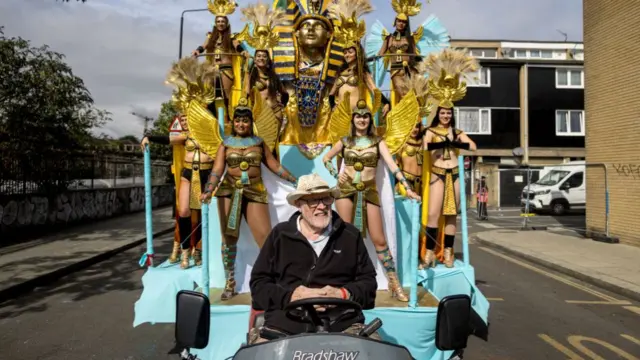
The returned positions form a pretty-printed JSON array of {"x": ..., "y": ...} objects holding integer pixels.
[
  {"x": 78, "y": 206},
  {"x": 628, "y": 170}
]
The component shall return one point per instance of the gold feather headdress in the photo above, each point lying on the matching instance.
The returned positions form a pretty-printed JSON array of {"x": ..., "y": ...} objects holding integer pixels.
[
  {"x": 345, "y": 13},
  {"x": 420, "y": 86},
  {"x": 406, "y": 8},
  {"x": 264, "y": 21},
  {"x": 193, "y": 82},
  {"x": 446, "y": 70},
  {"x": 221, "y": 7}
]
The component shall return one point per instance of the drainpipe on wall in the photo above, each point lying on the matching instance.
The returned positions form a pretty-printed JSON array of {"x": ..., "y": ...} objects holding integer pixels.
[{"x": 525, "y": 158}]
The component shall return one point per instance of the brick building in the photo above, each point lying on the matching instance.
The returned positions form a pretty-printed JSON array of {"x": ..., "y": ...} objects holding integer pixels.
[{"x": 612, "y": 105}]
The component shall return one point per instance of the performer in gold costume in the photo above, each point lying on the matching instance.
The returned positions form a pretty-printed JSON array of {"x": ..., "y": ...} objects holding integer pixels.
[
  {"x": 366, "y": 159},
  {"x": 221, "y": 43},
  {"x": 191, "y": 169},
  {"x": 442, "y": 144},
  {"x": 241, "y": 192},
  {"x": 410, "y": 158},
  {"x": 409, "y": 161},
  {"x": 354, "y": 75},
  {"x": 262, "y": 75},
  {"x": 402, "y": 42}
]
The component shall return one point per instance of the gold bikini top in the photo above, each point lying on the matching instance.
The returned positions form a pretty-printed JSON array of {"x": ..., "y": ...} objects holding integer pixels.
[
  {"x": 262, "y": 82},
  {"x": 442, "y": 133},
  {"x": 346, "y": 77},
  {"x": 244, "y": 161},
  {"x": 190, "y": 145},
  {"x": 399, "y": 47},
  {"x": 413, "y": 148},
  {"x": 360, "y": 156}
]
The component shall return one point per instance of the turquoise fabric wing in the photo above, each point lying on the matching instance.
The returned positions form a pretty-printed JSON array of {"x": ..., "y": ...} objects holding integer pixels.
[
  {"x": 435, "y": 36},
  {"x": 373, "y": 44}
]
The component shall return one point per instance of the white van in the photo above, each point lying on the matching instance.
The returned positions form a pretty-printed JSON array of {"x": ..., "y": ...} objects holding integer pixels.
[{"x": 562, "y": 188}]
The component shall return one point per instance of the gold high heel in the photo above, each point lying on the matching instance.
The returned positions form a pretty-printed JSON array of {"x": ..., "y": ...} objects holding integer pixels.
[
  {"x": 229, "y": 288},
  {"x": 184, "y": 263},
  {"x": 396, "y": 289},
  {"x": 448, "y": 257},
  {"x": 428, "y": 261},
  {"x": 175, "y": 253},
  {"x": 197, "y": 256}
]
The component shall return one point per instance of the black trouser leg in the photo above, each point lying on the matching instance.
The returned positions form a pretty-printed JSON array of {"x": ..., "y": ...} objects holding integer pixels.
[
  {"x": 448, "y": 241},
  {"x": 432, "y": 235},
  {"x": 184, "y": 224}
]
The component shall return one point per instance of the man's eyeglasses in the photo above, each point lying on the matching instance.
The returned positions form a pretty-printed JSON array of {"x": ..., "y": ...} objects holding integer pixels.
[{"x": 315, "y": 202}]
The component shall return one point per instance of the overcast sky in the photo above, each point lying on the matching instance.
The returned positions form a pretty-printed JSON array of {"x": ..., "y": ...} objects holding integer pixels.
[{"x": 123, "y": 48}]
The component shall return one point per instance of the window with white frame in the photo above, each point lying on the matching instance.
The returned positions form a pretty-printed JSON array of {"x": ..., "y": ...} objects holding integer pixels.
[
  {"x": 474, "y": 120},
  {"x": 484, "y": 53},
  {"x": 569, "y": 78},
  {"x": 570, "y": 122},
  {"x": 481, "y": 77}
]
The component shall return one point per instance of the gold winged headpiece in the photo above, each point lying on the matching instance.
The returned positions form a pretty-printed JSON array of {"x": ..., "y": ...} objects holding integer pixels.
[
  {"x": 221, "y": 7},
  {"x": 400, "y": 120},
  {"x": 348, "y": 29},
  {"x": 264, "y": 21},
  {"x": 446, "y": 70},
  {"x": 406, "y": 8}
]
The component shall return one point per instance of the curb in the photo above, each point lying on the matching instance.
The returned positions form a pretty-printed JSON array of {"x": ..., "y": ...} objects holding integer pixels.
[
  {"x": 42, "y": 280},
  {"x": 555, "y": 267}
]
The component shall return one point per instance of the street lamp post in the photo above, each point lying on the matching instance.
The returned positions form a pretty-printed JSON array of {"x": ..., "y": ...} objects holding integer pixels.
[{"x": 182, "y": 27}]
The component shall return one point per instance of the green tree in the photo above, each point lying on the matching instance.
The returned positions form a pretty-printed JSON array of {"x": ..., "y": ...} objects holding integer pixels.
[
  {"x": 161, "y": 127},
  {"x": 46, "y": 113}
]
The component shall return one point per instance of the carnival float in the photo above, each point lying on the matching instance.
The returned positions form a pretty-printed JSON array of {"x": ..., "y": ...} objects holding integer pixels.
[{"x": 263, "y": 106}]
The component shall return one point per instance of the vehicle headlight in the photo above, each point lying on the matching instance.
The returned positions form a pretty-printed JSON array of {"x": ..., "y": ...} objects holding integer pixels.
[{"x": 542, "y": 192}]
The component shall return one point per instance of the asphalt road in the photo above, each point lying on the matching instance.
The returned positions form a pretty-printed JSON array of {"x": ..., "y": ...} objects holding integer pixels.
[{"x": 89, "y": 315}]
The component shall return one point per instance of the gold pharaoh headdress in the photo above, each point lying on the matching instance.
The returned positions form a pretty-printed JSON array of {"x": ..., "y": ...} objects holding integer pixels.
[
  {"x": 406, "y": 8},
  {"x": 193, "y": 82},
  {"x": 221, "y": 7},
  {"x": 348, "y": 30},
  {"x": 445, "y": 70},
  {"x": 361, "y": 108},
  {"x": 264, "y": 20},
  {"x": 420, "y": 85}
]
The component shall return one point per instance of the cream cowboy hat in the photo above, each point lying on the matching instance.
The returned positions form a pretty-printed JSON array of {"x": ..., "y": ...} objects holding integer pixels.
[{"x": 312, "y": 184}]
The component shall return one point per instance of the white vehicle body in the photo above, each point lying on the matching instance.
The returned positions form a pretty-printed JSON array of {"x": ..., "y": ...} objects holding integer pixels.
[{"x": 559, "y": 189}]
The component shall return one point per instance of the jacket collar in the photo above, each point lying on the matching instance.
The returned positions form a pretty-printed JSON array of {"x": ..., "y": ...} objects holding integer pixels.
[{"x": 291, "y": 229}]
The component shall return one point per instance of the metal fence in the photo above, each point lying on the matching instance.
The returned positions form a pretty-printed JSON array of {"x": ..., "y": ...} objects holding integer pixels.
[
  {"x": 551, "y": 197},
  {"x": 77, "y": 172}
]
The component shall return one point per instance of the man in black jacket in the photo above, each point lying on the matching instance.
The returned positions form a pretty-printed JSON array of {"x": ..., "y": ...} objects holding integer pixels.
[{"x": 313, "y": 254}]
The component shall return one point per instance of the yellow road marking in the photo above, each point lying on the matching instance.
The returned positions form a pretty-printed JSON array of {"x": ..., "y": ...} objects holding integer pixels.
[
  {"x": 563, "y": 349},
  {"x": 573, "y": 284},
  {"x": 495, "y": 299},
  {"x": 596, "y": 302},
  {"x": 577, "y": 342},
  {"x": 631, "y": 338},
  {"x": 634, "y": 309}
]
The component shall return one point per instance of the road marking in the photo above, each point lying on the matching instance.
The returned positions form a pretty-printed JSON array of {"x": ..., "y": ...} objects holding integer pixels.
[
  {"x": 577, "y": 342},
  {"x": 634, "y": 309},
  {"x": 597, "y": 302},
  {"x": 631, "y": 338},
  {"x": 573, "y": 284},
  {"x": 563, "y": 349},
  {"x": 487, "y": 226},
  {"x": 495, "y": 299}
]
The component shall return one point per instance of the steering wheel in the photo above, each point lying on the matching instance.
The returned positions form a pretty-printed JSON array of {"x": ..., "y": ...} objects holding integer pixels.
[{"x": 310, "y": 314}]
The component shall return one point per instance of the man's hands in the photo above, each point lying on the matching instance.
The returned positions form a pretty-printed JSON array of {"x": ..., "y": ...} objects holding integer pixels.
[{"x": 303, "y": 292}]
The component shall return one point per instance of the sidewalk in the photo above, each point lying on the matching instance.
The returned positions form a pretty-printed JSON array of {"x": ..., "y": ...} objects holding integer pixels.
[
  {"x": 59, "y": 254},
  {"x": 615, "y": 267}
]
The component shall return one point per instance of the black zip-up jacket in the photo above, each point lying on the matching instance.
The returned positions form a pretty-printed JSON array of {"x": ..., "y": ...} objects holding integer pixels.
[{"x": 287, "y": 261}]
